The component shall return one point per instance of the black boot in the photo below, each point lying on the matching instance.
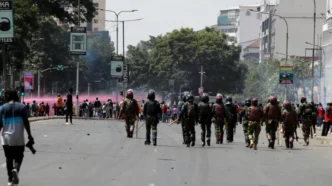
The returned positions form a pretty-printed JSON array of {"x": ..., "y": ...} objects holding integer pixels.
[
  {"x": 287, "y": 143},
  {"x": 203, "y": 143},
  {"x": 193, "y": 143},
  {"x": 291, "y": 145},
  {"x": 154, "y": 138},
  {"x": 208, "y": 141},
  {"x": 147, "y": 142}
]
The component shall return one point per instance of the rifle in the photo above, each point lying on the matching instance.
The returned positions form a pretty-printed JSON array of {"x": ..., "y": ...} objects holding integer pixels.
[{"x": 30, "y": 146}]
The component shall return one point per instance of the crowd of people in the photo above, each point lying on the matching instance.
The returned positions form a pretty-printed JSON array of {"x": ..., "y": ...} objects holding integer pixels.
[{"x": 286, "y": 117}]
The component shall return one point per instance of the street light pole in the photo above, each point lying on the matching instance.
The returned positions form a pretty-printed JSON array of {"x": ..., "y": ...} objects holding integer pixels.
[
  {"x": 313, "y": 55},
  {"x": 117, "y": 39},
  {"x": 78, "y": 63},
  {"x": 287, "y": 30}
]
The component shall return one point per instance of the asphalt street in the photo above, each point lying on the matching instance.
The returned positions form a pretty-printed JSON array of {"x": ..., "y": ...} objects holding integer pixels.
[{"x": 98, "y": 153}]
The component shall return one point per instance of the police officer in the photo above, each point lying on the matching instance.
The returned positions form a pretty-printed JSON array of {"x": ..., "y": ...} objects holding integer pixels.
[
  {"x": 205, "y": 114},
  {"x": 129, "y": 111},
  {"x": 305, "y": 114},
  {"x": 151, "y": 110},
  {"x": 289, "y": 123},
  {"x": 255, "y": 114},
  {"x": 272, "y": 115},
  {"x": 219, "y": 114},
  {"x": 231, "y": 119},
  {"x": 244, "y": 120},
  {"x": 190, "y": 116},
  {"x": 180, "y": 108}
]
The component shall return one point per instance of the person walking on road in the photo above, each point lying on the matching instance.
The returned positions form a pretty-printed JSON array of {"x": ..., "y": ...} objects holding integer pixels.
[
  {"x": 205, "y": 116},
  {"x": 255, "y": 114},
  {"x": 129, "y": 111},
  {"x": 151, "y": 110},
  {"x": 14, "y": 120},
  {"x": 327, "y": 120},
  {"x": 69, "y": 105}
]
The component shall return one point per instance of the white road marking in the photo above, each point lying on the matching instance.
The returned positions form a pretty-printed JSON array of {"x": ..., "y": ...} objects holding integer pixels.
[
  {"x": 3, "y": 165},
  {"x": 154, "y": 171},
  {"x": 155, "y": 150},
  {"x": 151, "y": 184}
]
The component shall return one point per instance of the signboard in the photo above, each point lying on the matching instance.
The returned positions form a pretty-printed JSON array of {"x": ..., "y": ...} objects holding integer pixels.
[
  {"x": 125, "y": 76},
  {"x": 28, "y": 80},
  {"x": 117, "y": 67},
  {"x": 6, "y": 21},
  {"x": 78, "y": 41},
  {"x": 286, "y": 73}
]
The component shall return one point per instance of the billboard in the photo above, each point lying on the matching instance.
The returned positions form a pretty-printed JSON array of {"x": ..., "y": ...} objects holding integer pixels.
[
  {"x": 117, "y": 67},
  {"x": 28, "y": 80},
  {"x": 286, "y": 73}
]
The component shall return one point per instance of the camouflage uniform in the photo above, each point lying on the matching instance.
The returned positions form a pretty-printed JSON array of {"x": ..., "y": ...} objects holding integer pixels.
[
  {"x": 189, "y": 123},
  {"x": 289, "y": 118},
  {"x": 130, "y": 115},
  {"x": 151, "y": 110},
  {"x": 244, "y": 120},
  {"x": 305, "y": 114},
  {"x": 272, "y": 115},
  {"x": 255, "y": 115}
]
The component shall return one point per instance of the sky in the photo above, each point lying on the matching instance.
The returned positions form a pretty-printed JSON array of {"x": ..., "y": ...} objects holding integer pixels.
[{"x": 162, "y": 16}]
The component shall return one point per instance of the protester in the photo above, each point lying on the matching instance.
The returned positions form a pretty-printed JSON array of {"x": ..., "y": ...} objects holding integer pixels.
[{"x": 14, "y": 119}]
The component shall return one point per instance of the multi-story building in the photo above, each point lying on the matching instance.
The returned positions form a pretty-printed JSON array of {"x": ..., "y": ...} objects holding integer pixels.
[
  {"x": 326, "y": 86},
  {"x": 98, "y": 23},
  {"x": 242, "y": 28},
  {"x": 299, "y": 16}
]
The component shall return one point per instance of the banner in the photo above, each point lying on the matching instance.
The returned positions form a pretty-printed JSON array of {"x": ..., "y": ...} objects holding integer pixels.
[
  {"x": 286, "y": 73},
  {"x": 28, "y": 80}
]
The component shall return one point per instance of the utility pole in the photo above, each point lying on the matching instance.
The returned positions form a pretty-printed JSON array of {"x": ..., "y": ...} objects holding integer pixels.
[
  {"x": 78, "y": 63},
  {"x": 202, "y": 73},
  {"x": 313, "y": 55}
]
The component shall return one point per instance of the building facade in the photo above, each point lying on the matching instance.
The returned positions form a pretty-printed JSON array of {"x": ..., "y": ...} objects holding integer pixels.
[
  {"x": 326, "y": 86},
  {"x": 299, "y": 16},
  {"x": 242, "y": 28},
  {"x": 98, "y": 23}
]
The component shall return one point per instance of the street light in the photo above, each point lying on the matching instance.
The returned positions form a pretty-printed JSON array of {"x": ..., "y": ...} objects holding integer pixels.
[
  {"x": 313, "y": 54},
  {"x": 286, "y": 27},
  {"x": 324, "y": 83},
  {"x": 117, "y": 24}
]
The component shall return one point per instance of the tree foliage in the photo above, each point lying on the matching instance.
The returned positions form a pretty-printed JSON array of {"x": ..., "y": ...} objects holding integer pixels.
[
  {"x": 173, "y": 61},
  {"x": 263, "y": 81}
]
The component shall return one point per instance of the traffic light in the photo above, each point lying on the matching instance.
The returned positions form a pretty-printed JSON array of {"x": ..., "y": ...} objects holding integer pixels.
[
  {"x": 121, "y": 93},
  {"x": 59, "y": 67}
]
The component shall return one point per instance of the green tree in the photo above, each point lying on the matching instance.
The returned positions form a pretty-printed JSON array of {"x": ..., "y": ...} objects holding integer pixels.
[{"x": 168, "y": 62}]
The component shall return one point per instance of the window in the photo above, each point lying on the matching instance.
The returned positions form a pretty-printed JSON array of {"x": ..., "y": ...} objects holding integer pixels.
[
  {"x": 95, "y": 21},
  {"x": 95, "y": 29}
]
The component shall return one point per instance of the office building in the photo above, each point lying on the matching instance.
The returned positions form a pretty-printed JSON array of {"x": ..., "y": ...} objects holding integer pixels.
[
  {"x": 241, "y": 27},
  {"x": 326, "y": 86},
  {"x": 299, "y": 17}
]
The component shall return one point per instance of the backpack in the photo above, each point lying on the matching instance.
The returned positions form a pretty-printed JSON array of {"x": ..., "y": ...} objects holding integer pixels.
[
  {"x": 130, "y": 108},
  {"x": 219, "y": 110},
  {"x": 307, "y": 110},
  {"x": 191, "y": 113}
]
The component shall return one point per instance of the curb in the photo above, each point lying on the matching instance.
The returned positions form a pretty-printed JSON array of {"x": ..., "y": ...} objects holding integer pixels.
[{"x": 34, "y": 119}]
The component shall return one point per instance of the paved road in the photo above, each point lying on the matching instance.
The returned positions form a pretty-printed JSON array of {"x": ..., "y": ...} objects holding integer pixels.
[{"x": 67, "y": 155}]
